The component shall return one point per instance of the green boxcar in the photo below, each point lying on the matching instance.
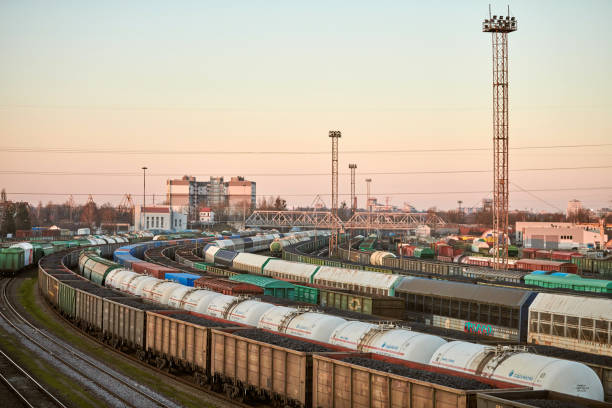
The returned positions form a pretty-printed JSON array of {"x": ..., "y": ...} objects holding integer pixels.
[
  {"x": 569, "y": 282},
  {"x": 387, "y": 306},
  {"x": 271, "y": 287},
  {"x": 424, "y": 253},
  {"x": 306, "y": 294},
  {"x": 11, "y": 259},
  {"x": 67, "y": 302}
]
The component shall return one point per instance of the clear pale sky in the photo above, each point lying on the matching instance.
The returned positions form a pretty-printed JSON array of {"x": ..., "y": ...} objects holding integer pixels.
[{"x": 278, "y": 75}]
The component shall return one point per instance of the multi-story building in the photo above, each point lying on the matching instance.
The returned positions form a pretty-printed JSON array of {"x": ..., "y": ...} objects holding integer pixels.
[
  {"x": 241, "y": 195},
  {"x": 573, "y": 207},
  {"x": 161, "y": 217},
  {"x": 187, "y": 195}
]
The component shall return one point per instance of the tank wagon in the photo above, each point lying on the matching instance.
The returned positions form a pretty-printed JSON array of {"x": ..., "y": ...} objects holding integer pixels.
[{"x": 311, "y": 325}]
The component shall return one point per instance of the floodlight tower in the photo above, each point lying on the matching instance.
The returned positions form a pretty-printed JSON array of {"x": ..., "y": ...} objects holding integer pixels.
[
  {"x": 368, "y": 207},
  {"x": 499, "y": 27},
  {"x": 353, "y": 166},
  {"x": 333, "y": 239}
]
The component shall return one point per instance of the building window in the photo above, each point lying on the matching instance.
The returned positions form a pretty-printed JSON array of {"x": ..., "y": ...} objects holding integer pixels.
[
  {"x": 162, "y": 223},
  {"x": 147, "y": 218}
]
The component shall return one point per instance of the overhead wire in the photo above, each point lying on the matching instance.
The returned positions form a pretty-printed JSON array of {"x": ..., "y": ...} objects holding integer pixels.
[{"x": 73, "y": 150}]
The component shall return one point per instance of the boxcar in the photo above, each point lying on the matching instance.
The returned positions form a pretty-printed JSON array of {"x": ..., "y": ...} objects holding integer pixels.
[{"x": 384, "y": 306}]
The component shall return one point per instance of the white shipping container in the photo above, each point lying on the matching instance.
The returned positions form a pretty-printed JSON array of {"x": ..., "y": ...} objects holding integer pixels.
[
  {"x": 250, "y": 263},
  {"x": 281, "y": 269},
  {"x": 355, "y": 279}
]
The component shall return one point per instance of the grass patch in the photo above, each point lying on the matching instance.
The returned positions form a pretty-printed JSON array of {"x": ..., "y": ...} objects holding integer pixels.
[
  {"x": 27, "y": 298},
  {"x": 62, "y": 386}
]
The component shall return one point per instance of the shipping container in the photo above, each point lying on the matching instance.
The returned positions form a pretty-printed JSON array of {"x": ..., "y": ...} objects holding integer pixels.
[
  {"x": 228, "y": 287},
  {"x": 186, "y": 279},
  {"x": 151, "y": 269},
  {"x": 270, "y": 286},
  {"x": 384, "y": 306}
]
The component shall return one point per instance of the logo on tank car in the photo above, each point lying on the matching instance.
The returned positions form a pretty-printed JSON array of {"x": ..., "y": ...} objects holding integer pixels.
[
  {"x": 389, "y": 346},
  {"x": 519, "y": 376}
]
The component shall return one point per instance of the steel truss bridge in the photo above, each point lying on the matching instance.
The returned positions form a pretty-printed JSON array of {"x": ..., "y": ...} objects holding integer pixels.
[{"x": 360, "y": 220}]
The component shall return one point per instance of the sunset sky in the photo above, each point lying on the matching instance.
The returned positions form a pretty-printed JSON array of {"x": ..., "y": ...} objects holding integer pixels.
[{"x": 276, "y": 76}]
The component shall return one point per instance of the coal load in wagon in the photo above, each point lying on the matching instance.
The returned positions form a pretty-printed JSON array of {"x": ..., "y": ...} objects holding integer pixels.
[
  {"x": 67, "y": 277},
  {"x": 548, "y": 403},
  {"x": 447, "y": 380},
  {"x": 197, "y": 320},
  {"x": 81, "y": 284},
  {"x": 580, "y": 356},
  {"x": 278, "y": 340},
  {"x": 139, "y": 304},
  {"x": 103, "y": 292}
]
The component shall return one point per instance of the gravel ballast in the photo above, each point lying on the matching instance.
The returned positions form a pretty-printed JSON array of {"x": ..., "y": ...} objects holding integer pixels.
[
  {"x": 422, "y": 375},
  {"x": 278, "y": 340}
]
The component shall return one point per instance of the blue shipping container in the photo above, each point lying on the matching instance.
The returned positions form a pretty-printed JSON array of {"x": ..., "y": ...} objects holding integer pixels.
[{"x": 186, "y": 279}]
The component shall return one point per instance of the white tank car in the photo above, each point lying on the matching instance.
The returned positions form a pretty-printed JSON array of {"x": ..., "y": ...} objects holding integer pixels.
[
  {"x": 350, "y": 334},
  {"x": 116, "y": 276},
  {"x": 541, "y": 372},
  {"x": 198, "y": 300},
  {"x": 274, "y": 317},
  {"x": 178, "y": 294},
  {"x": 220, "y": 305},
  {"x": 248, "y": 312},
  {"x": 160, "y": 292},
  {"x": 313, "y": 326},
  {"x": 521, "y": 368},
  {"x": 144, "y": 283}
]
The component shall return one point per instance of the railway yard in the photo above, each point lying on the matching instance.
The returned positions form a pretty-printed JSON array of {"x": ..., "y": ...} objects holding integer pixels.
[{"x": 220, "y": 319}]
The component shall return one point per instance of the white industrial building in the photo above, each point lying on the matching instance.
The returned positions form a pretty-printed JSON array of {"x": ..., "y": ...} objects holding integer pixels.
[
  {"x": 159, "y": 217},
  {"x": 558, "y": 235}
]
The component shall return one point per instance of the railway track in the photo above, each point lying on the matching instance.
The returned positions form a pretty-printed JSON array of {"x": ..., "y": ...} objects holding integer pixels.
[
  {"x": 114, "y": 388},
  {"x": 29, "y": 391}
]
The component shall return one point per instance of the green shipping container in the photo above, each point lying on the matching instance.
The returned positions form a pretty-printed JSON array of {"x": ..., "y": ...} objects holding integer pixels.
[
  {"x": 271, "y": 287},
  {"x": 306, "y": 294},
  {"x": 67, "y": 302},
  {"x": 11, "y": 259}
]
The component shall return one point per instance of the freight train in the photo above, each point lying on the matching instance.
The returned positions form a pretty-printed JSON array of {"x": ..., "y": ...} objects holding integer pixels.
[
  {"x": 394, "y": 342},
  {"x": 20, "y": 255}
]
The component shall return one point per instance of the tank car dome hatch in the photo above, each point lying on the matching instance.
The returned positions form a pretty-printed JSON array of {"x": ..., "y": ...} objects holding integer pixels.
[
  {"x": 219, "y": 305},
  {"x": 177, "y": 296},
  {"x": 274, "y": 317},
  {"x": 459, "y": 356},
  {"x": 404, "y": 344},
  {"x": 541, "y": 372},
  {"x": 314, "y": 326},
  {"x": 249, "y": 312},
  {"x": 350, "y": 334},
  {"x": 144, "y": 285},
  {"x": 193, "y": 299}
]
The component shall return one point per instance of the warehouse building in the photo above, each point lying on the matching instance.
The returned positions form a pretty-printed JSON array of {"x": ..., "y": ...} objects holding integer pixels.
[{"x": 558, "y": 235}]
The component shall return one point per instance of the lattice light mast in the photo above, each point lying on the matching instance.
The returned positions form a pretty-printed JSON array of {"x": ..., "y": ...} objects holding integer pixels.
[
  {"x": 368, "y": 206},
  {"x": 333, "y": 241},
  {"x": 499, "y": 27},
  {"x": 353, "y": 166}
]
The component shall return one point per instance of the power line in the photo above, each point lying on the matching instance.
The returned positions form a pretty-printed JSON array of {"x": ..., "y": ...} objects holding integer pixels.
[
  {"x": 124, "y": 174},
  {"x": 343, "y": 194},
  {"x": 70, "y": 150}
]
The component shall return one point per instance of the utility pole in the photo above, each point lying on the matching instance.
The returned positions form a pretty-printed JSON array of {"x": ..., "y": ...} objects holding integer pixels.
[
  {"x": 333, "y": 239},
  {"x": 353, "y": 166},
  {"x": 368, "y": 206},
  {"x": 144, "y": 195},
  {"x": 499, "y": 27}
]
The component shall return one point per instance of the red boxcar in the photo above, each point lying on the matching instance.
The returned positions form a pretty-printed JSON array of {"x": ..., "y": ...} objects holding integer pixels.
[
  {"x": 446, "y": 251},
  {"x": 543, "y": 254},
  {"x": 564, "y": 255},
  {"x": 546, "y": 265},
  {"x": 227, "y": 287},
  {"x": 529, "y": 253},
  {"x": 157, "y": 271}
]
